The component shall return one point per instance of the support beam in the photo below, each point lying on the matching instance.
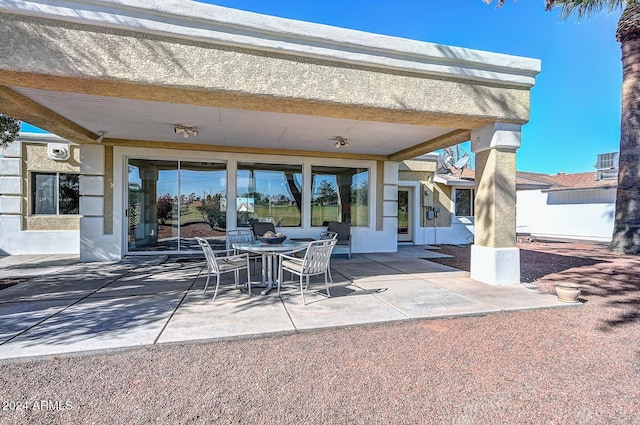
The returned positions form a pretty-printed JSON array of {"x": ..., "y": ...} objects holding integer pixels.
[
  {"x": 238, "y": 149},
  {"x": 449, "y": 139},
  {"x": 495, "y": 259},
  {"x": 22, "y": 108}
]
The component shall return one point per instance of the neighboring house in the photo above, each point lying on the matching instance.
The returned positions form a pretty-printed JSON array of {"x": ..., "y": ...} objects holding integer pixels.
[
  {"x": 572, "y": 206},
  {"x": 186, "y": 127}
]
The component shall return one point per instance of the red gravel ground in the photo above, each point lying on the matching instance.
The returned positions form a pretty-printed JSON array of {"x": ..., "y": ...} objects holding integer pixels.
[{"x": 578, "y": 365}]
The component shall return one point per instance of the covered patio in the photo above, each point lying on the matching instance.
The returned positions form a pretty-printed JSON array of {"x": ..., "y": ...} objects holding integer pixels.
[
  {"x": 72, "y": 307},
  {"x": 137, "y": 83}
]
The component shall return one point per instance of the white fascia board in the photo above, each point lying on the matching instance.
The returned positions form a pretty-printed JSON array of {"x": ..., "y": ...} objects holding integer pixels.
[
  {"x": 41, "y": 137},
  {"x": 220, "y": 25},
  {"x": 531, "y": 186},
  {"x": 453, "y": 182},
  {"x": 577, "y": 189}
]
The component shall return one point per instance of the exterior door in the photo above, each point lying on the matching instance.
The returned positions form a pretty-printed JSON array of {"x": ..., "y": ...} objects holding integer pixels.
[{"x": 405, "y": 214}]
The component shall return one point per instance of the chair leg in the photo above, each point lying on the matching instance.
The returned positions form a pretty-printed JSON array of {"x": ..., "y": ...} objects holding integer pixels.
[
  {"x": 248, "y": 278},
  {"x": 326, "y": 284},
  {"x": 302, "y": 291},
  {"x": 207, "y": 283},
  {"x": 279, "y": 277},
  {"x": 329, "y": 271},
  {"x": 217, "y": 285}
]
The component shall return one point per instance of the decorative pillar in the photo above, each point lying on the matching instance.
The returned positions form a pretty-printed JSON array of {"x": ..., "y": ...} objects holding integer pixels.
[{"x": 495, "y": 259}]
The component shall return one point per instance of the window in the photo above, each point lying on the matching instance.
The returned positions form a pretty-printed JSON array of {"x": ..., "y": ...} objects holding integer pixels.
[
  {"x": 173, "y": 202},
  {"x": 464, "y": 202},
  {"x": 55, "y": 193},
  {"x": 340, "y": 194},
  {"x": 269, "y": 192}
]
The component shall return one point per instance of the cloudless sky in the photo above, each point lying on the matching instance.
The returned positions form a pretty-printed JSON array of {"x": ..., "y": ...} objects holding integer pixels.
[{"x": 575, "y": 104}]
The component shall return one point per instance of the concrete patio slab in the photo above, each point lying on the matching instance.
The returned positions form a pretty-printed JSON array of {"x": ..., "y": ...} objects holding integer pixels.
[
  {"x": 418, "y": 298},
  {"x": 506, "y": 297},
  {"x": 232, "y": 314},
  {"x": 20, "y": 316},
  {"x": 369, "y": 270},
  {"x": 78, "y": 307},
  {"x": 173, "y": 278},
  {"x": 348, "y": 306},
  {"x": 96, "y": 324},
  {"x": 20, "y": 266}
]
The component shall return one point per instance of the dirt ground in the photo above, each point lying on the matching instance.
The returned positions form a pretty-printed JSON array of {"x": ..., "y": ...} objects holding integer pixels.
[
  {"x": 588, "y": 264},
  {"x": 577, "y": 365}
]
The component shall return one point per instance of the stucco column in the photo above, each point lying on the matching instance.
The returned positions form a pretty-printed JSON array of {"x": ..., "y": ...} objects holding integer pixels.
[{"x": 495, "y": 259}]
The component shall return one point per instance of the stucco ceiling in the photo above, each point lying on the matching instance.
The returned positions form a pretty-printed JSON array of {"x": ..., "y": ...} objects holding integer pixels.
[{"x": 123, "y": 118}]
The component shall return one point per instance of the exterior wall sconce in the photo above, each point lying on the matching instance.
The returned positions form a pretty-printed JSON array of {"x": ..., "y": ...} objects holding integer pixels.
[
  {"x": 341, "y": 142},
  {"x": 185, "y": 130}
]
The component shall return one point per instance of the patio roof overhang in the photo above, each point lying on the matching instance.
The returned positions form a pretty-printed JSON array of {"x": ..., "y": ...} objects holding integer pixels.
[{"x": 133, "y": 70}]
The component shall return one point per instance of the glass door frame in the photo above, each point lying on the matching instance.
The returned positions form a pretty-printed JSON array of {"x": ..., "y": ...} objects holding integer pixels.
[
  {"x": 125, "y": 210},
  {"x": 408, "y": 236}
]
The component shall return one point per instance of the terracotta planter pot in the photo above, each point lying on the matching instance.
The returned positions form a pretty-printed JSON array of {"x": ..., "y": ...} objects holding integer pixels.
[{"x": 568, "y": 292}]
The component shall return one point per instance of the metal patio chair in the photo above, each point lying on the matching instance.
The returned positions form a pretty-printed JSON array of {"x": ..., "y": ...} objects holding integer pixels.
[
  {"x": 344, "y": 234},
  {"x": 261, "y": 227},
  {"x": 242, "y": 235},
  {"x": 223, "y": 264},
  {"x": 315, "y": 262},
  {"x": 329, "y": 235}
]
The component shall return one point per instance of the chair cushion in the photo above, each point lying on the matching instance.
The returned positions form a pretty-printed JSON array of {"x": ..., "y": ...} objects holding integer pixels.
[
  {"x": 292, "y": 265},
  {"x": 225, "y": 264},
  {"x": 342, "y": 229}
]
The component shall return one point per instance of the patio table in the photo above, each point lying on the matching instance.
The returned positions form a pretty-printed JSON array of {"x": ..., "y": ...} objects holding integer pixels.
[{"x": 269, "y": 254}]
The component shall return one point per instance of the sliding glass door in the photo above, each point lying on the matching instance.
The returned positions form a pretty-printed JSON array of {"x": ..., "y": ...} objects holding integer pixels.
[{"x": 172, "y": 202}]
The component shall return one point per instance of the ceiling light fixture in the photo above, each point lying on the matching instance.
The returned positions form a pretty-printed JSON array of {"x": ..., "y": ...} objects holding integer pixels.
[
  {"x": 341, "y": 142},
  {"x": 100, "y": 137},
  {"x": 185, "y": 130}
]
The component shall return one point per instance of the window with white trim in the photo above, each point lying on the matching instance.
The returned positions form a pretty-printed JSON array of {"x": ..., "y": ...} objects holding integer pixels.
[
  {"x": 464, "y": 202},
  {"x": 55, "y": 193}
]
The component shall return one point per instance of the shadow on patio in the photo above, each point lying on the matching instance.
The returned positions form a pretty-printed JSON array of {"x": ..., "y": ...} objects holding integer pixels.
[{"x": 98, "y": 306}]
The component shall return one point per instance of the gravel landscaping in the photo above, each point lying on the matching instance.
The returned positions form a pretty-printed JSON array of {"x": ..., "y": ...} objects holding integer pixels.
[{"x": 578, "y": 365}]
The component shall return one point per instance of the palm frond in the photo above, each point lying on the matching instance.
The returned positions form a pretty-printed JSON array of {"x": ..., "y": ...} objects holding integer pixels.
[{"x": 585, "y": 8}]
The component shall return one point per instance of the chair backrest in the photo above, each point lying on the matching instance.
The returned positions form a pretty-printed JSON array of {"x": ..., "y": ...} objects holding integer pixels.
[
  {"x": 342, "y": 229},
  {"x": 316, "y": 259},
  {"x": 328, "y": 235},
  {"x": 208, "y": 255},
  {"x": 238, "y": 235},
  {"x": 262, "y": 227}
]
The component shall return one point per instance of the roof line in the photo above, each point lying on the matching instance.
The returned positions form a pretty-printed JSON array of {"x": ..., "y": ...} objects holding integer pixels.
[{"x": 220, "y": 25}]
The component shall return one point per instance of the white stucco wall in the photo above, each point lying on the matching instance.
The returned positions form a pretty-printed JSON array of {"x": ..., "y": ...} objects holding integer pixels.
[
  {"x": 575, "y": 214},
  {"x": 13, "y": 239}
]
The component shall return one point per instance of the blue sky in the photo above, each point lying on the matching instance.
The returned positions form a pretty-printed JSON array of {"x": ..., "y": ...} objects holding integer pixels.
[{"x": 575, "y": 105}]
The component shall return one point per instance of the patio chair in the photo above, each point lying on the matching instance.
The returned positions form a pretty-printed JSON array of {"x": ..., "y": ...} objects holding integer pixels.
[
  {"x": 238, "y": 235},
  {"x": 261, "y": 227},
  {"x": 315, "y": 262},
  {"x": 242, "y": 235},
  {"x": 344, "y": 234},
  {"x": 224, "y": 264},
  {"x": 329, "y": 235}
]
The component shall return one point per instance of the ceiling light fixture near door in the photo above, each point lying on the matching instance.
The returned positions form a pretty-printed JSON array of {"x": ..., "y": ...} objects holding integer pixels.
[
  {"x": 341, "y": 142},
  {"x": 101, "y": 135},
  {"x": 185, "y": 130}
]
